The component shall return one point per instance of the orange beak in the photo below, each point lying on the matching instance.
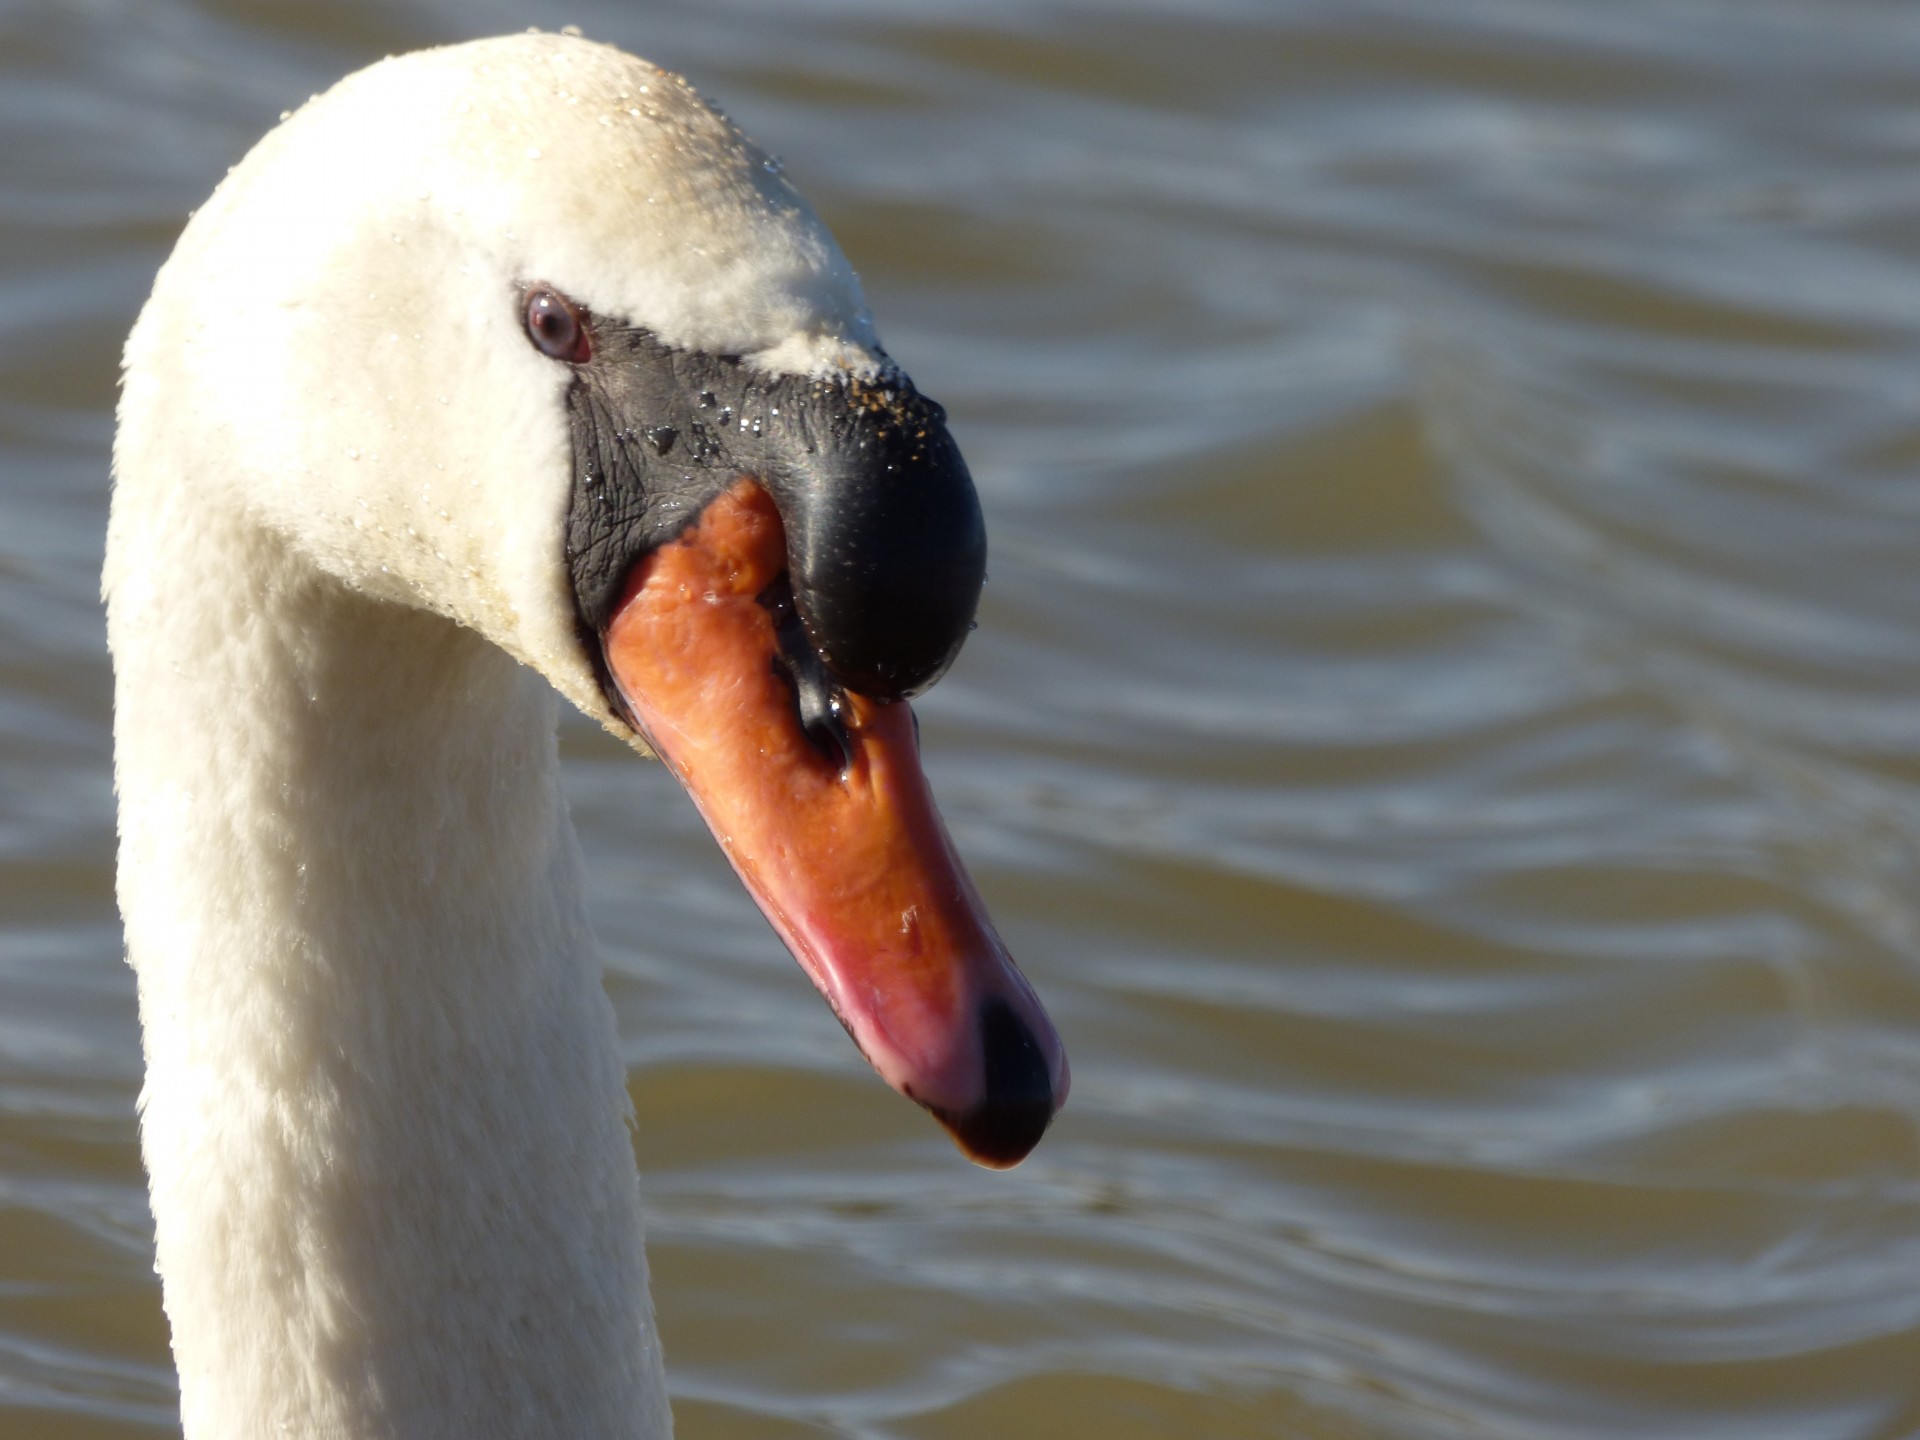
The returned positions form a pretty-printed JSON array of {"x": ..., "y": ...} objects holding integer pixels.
[{"x": 851, "y": 863}]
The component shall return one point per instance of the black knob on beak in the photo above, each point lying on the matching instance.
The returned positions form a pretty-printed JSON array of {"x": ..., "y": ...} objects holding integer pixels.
[{"x": 885, "y": 538}]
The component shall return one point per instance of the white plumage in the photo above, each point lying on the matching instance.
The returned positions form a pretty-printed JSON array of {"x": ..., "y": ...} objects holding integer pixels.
[{"x": 384, "y": 1115}]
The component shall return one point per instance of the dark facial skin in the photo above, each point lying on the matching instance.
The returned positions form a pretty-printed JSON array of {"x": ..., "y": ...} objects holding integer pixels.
[
  {"x": 886, "y": 547},
  {"x": 861, "y": 597}
]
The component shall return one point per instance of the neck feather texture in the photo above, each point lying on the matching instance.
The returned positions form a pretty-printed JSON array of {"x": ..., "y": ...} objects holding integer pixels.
[{"x": 384, "y": 1116}]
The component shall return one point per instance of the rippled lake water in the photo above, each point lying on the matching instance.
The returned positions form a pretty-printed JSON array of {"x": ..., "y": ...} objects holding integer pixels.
[{"x": 1444, "y": 734}]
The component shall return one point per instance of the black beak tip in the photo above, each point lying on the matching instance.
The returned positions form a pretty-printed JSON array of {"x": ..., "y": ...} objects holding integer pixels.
[{"x": 1018, "y": 1105}]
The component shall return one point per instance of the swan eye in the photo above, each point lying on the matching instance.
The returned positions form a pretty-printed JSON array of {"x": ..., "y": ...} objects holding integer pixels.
[{"x": 557, "y": 326}]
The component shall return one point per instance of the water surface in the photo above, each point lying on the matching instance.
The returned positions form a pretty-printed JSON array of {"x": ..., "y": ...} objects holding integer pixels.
[{"x": 1444, "y": 734}]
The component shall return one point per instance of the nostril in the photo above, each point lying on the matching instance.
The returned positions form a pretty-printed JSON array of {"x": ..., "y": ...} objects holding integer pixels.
[
  {"x": 1018, "y": 1103},
  {"x": 823, "y": 716},
  {"x": 819, "y": 704}
]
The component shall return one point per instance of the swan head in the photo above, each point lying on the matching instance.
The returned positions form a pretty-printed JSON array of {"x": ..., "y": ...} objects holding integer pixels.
[{"x": 525, "y": 333}]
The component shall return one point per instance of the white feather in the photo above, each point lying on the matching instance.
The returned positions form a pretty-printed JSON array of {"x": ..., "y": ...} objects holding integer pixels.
[{"x": 385, "y": 1116}]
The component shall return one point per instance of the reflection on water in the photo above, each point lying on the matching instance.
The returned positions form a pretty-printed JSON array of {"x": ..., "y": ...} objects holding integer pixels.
[{"x": 1443, "y": 736}]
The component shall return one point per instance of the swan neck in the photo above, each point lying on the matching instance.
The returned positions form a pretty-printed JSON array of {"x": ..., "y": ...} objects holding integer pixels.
[{"x": 385, "y": 1115}]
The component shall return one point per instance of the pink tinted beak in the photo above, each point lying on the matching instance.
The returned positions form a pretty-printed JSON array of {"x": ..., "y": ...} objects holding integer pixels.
[{"x": 851, "y": 865}]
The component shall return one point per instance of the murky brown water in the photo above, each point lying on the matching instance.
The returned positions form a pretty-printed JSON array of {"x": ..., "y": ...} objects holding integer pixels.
[{"x": 1444, "y": 736}]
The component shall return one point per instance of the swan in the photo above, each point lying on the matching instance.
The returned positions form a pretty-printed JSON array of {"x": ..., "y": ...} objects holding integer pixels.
[{"x": 504, "y": 373}]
